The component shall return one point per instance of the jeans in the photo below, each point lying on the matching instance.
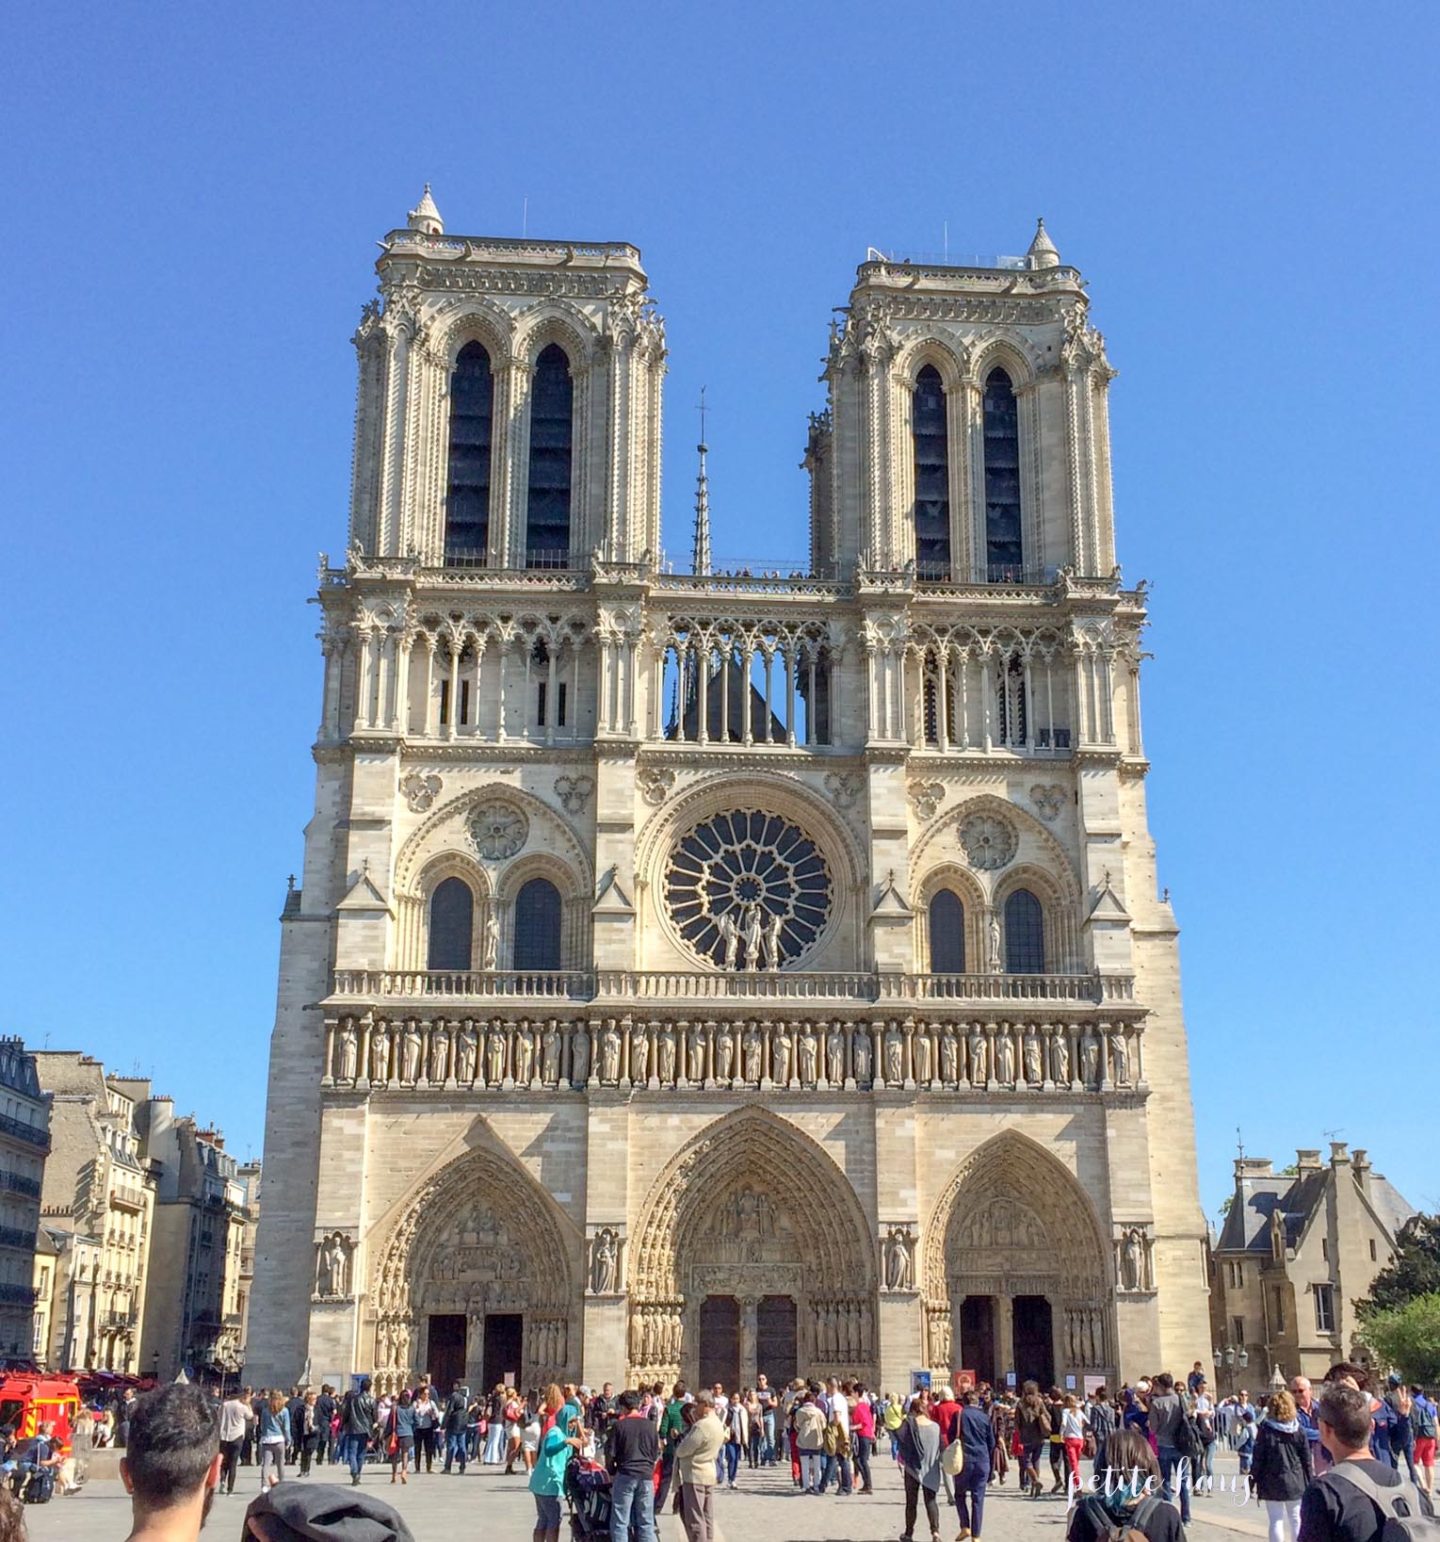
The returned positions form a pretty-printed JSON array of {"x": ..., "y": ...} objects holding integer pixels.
[
  {"x": 353, "y": 1449},
  {"x": 767, "y": 1424},
  {"x": 914, "y": 1489},
  {"x": 455, "y": 1450},
  {"x": 629, "y": 1492},
  {"x": 1171, "y": 1464},
  {"x": 729, "y": 1461},
  {"x": 1205, "y": 1478},
  {"x": 863, "y": 1445},
  {"x": 970, "y": 1496},
  {"x": 425, "y": 1443},
  {"x": 272, "y": 1455},
  {"x": 842, "y": 1482}
]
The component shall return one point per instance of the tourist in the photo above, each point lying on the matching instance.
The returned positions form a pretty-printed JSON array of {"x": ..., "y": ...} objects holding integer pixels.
[
  {"x": 1306, "y": 1413},
  {"x": 1032, "y": 1424},
  {"x": 672, "y": 1428},
  {"x": 765, "y": 1396},
  {"x": 1055, "y": 1407},
  {"x": 495, "y": 1427},
  {"x": 236, "y": 1418},
  {"x": 295, "y": 1407},
  {"x": 274, "y": 1439},
  {"x": 399, "y": 1430},
  {"x": 838, "y": 1449},
  {"x": 1341, "y": 1505},
  {"x": 976, "y": 1435},
  {"x": 1280, "y": 1467},
  {"x": 530, "y": 1436},
  {"x": 310, "y": 1437},
  {"x": 1102, "y": 1425},
  {"x": 427, "y": 1427},
  {"x": 1423, "y": 1418},
  {"x": 1245, "y": 1442},
  {"x": 631, "y": 1455},
  {"x": 862, "y": 1427},
  {"x": 327, "y": 1406},
  {"x": 1167, "y": 1416},
  {"x": 737, "y": 1437},
  {"x": 547, "y": 1479},
  {"x": 695, "y": 1458},
  {"x": 809, "y": 1424},
  {"x": 358, "y": 1415},
  {"x": 1402, "y": 1432},
  {"x": 1204, "y": 1411},
  {"x": 171, "y": 1466},
  {"x": 1125, "y": 1504},
  {"x": 1072, "y": 1434},
  {"x": 754, "y": 1436},
  {"x": 920, "y": 1459},
  {"x": 945, "y": 1411}
]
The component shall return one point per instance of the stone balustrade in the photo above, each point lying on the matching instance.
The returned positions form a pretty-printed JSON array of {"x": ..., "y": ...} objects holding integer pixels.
[{"x": 370, "y": 1051}]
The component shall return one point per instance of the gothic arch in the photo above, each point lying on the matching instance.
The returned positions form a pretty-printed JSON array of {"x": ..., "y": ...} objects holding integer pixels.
[
  {"x": 478, "y": 321},
  {"x": 478, "y": 1235},
  {"x": 963, "y": 884},
  {"x": 751, "y": 1207},
  {"x": 950, "y": 358},
  {"x": 1014, "y": 354},
  {"x": 1037, "y": 851},
  {"x": 554, "y": 322}
]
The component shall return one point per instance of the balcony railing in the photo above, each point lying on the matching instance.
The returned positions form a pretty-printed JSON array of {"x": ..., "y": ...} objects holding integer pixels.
[
  {"x": 26, "y": 1132},
  {"x": 126, "y": 1197},
  {"x": 17, "y": 1183},
  {"x": 16, "y": 1237},
  {"x": 719, "y": 985}
]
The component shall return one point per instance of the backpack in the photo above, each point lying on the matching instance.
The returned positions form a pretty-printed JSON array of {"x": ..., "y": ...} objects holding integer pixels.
[
  {"x": 1187, "y": 1435},
  {"x": 1402, "y": 1511},
  {"x": 1422, "y": 1416},
  {"x": 1108, "y": 1529}
]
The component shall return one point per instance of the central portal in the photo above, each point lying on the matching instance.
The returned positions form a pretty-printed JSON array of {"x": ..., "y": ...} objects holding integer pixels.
[
  {"x": 1034, "y": 1343},
  {"x": 445, "y": 1349},
  {"x": 504, "y": 1344},
  {"x": 720, "y": 1342},
  {"x": 777, "y": 1350}
]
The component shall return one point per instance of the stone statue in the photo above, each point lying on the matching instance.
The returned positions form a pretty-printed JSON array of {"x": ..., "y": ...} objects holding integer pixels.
[
  {"x": 410, "y": 1053},
  {"x": 349, "y": 1052},
  {"x": 667, "y": 1051},
  {"x": 894, "y": 1056},
  {"x": 695, "y": 1058},
  {"x": 994, "y": 958},
  {"x": 949, "y": 1055},
  {"x": 753, "y": 936},
  {"x": 467, "y": 1052},
  {"x": 1130, "y": 1258},
  {"x": 439, "y": 1054},
  {"x": 1120, "y": 1057},
  {"x": 379, "y": 1053},
  {"x": 729, "y": 939},
  {"x": 331, "y": 1267},
  {"x": 860, "y": 1056},
  {"x": 835, "y": 1053},
  {"x": 605, "y": 1263},
  {"x": 753, "y": 1049},
  {"x": 922, "y": 1051},
  {"x": 979, "y": 1058},
  {"x": 1059, "y": 1058},
  {"x": 495, "y": 1055},
  {"x": 610, "y": 1053},
  {"x": 524, "y": 1055},
  {"x": 550, "y": 1054},
  {"x": 772, "y": 942},
  {"x": 899, "y": 1263},
  {"x": 1034, "y": 1059},
  {"x": 780, "y": 1055},
  {"x": 580, "y": 1056},
  {"x": 490, "y": 939},
  {"x": 639, "y": 1053},
  {"x": 809, "y": 1056},
  {"x": 1005, "y": 1058},
  {"x": 1090, "y": 1059},
  {"x": 725, "y": 1054}
]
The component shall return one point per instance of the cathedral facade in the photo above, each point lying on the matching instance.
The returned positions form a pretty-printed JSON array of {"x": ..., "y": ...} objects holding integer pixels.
[{"x": 702, "y": 973}]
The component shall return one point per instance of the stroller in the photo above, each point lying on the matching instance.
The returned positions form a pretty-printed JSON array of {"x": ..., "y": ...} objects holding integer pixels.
[{"x": 587, "y": 1492}]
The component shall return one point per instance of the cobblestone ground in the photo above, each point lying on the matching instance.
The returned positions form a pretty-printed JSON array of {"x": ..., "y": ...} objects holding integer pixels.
[{"x": 485, "y": 1504}]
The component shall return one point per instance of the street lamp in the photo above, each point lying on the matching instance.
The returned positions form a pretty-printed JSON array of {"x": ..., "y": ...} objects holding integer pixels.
[{"x": 1231, "y": 1357}]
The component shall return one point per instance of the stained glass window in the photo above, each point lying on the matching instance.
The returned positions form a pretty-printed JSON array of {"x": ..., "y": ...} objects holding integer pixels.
[
  {"x": 1024, "y": 934},
  {"x": 932, "y": 476},
  {"x": 452, "y": 916},
  {"x": 547, "y": 517},
  {"x": 467, "y": 496},
  {"x": 947, "y": 934},
  {"x": 537, "y": 925},
  {"x": 1004, "y": 551}
]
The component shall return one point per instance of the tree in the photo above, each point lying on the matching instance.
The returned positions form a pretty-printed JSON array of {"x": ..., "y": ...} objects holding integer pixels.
[
  {"x": 1408, "y": 1338},
  {"x": 1414, "y": 1272}
]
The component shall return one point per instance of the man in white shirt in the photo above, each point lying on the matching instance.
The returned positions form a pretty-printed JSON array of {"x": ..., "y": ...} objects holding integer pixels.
[{"x": 236, "y": 1415}]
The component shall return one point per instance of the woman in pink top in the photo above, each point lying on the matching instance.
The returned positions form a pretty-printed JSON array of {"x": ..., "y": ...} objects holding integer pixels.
[{"x": 862, "y": 1428}]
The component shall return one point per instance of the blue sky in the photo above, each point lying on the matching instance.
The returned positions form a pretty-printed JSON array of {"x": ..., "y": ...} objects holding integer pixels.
[{"x": 194, "y": 193}]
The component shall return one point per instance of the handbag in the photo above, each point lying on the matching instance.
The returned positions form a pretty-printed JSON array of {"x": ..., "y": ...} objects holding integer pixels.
[{"x": 952, "y": 1459}]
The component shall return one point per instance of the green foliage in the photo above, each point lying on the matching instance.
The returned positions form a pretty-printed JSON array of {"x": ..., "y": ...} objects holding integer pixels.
[
  {"x": 1408, "y": 1338},
  {"x": 1414, "y": 1272}
]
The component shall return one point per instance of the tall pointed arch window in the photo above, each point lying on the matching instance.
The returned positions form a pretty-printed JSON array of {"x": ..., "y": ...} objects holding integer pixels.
[
  {"x": 547, "y": 509},
  {"x": 467, "y": 493},
  {"x": 537, "y": 925},
  {"x": 452, "y": 920},
  {"x": 932, "y": 475},
  {"x": 1004, "y": 550},
  {"x": 1024, "y": 934},
  {"x": 947, "y": 934}
]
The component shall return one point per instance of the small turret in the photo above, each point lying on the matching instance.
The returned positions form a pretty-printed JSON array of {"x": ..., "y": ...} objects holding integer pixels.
[
  {"x": 425, "y": 217},
  {"x": 1042, "y": 253}
]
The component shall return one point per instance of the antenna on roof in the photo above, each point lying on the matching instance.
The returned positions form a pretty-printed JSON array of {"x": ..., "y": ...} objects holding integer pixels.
[
  {"x": 1331, "y": 1134},
  {"x": 700, "y": 546},
  {"x": 1239, "y": 1143}
]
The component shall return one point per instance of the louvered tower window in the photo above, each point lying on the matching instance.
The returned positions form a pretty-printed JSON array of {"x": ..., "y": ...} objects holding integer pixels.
[
  {"x": 467, "y": 495},
  {"x": 1004, "y": 552},
  {"x": 932, "y": 476},
  {"x": 547, "y": 514}
]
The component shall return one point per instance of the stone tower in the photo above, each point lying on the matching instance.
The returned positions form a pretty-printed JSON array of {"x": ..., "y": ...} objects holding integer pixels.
[{"x": 713, "y": 973}]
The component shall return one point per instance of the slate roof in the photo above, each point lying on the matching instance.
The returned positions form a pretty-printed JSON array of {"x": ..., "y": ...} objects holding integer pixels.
[{"x": 1297, "y": 1197}]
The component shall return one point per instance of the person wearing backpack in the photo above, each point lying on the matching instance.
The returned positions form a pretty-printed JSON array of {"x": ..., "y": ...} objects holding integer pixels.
[
  {"x": 1423, "y": 1419},
  {"x": 1353, "y": 1502},
  {"x": 1280, "y": 1467},
  {"x": 1126, "y": 1507},
  {"x": 1176, "y": 1443},
  {"x": 1402, "y": 1433}
]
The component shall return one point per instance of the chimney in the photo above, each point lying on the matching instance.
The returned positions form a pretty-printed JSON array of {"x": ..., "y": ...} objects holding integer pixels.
[
  {"x": 1253, "y": 1167},
  {"x": 1339, "y": 1153},
  {"x": 1362, "y": 1169},
  {"x": 1307, "y": 1162}
]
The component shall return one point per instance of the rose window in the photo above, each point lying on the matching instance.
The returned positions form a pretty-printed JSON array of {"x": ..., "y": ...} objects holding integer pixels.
[
  {"x": 989, "y": 841},
  {"x": 748, "y": 890},
  {"x": 498, "y": 830}
]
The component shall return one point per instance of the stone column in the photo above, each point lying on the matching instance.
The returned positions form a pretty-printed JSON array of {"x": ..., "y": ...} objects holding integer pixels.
[
  {"x": 1004, "y": 1311},
  {"x": 749, "y": 1339}
]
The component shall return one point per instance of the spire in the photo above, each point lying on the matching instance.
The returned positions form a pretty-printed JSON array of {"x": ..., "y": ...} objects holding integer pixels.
[
  {"x": 700, "y": 553},
  {"x": 425, "y": 217},
  {"x": 1042, "y": 253}
]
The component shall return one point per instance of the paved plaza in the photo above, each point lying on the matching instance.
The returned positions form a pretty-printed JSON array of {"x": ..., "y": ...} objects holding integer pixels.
[{"x": 456, "y": 1509}]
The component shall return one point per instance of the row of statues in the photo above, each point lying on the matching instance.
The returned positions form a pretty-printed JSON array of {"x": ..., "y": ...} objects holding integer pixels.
[
  {"x": 842, "y": 1332},
  {"x": 621, "y": 1052}
]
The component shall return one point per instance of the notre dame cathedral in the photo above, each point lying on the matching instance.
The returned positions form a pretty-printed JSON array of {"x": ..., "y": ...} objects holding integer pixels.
[{"x": 701, "y": 973}]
